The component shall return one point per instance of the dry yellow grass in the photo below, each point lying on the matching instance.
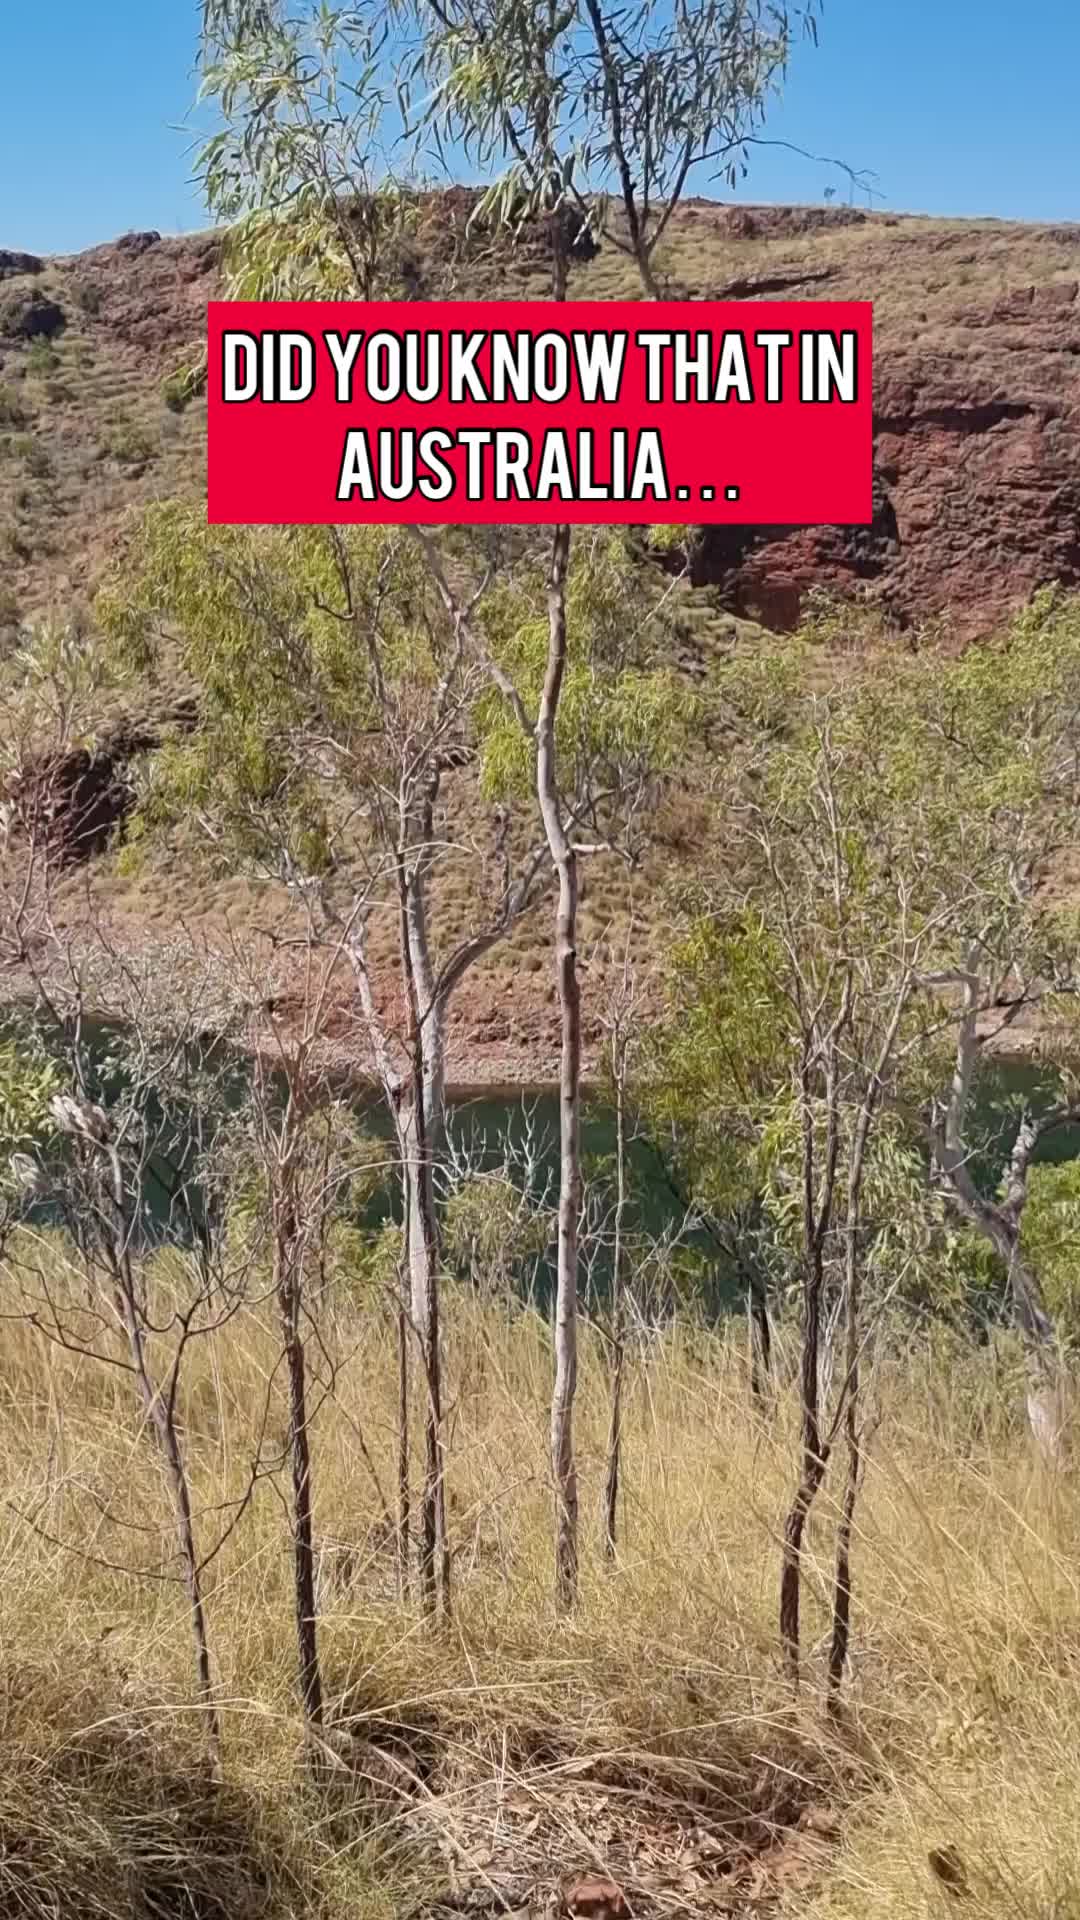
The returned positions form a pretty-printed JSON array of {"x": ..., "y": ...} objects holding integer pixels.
[{"x": 658, "y": 1709}]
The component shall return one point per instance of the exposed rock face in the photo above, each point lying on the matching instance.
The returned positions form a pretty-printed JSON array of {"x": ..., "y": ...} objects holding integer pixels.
[
  {"x": 31, "y": 316},
  {"x": 976, "y": 387},
  {"x": 136, "y": 243},
  {"x": 73, "y": 801},
  {"x": 151, "y": 293},
  {"x": 13, "y": 262},
  {"x": 977, "y": 480}
]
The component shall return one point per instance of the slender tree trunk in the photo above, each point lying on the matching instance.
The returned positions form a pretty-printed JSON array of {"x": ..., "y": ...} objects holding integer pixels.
[
  {"x": 1046, "y": 1381},
  {"x": 812, "y": 1470},
  {"x": 999, "y": 1222},
  {"x": 639, "y": 243},
  {"x": 618, "y": 1332},
  {"x": 841, "y": 1623},
  {"x": 842, "y": 1587},
  {"x": 817, "y": 1219},
  {"x": 1047, "y": 1385},
  {"x": 424, "y": 1261},
  {"x": 563, "y": 1466},
  {"x": 757, "y": 1307},
  {"x": 564, "y": 860},
  {"x": 288, "y": 1287},
  {"x": 761, "y": 1347},
  {"x": 404, "y": 1491},
  {"x": 160, "y": 1417}
]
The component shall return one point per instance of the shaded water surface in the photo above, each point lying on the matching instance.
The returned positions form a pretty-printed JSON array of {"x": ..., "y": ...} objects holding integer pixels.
[{"x": 519, "y": 1130}]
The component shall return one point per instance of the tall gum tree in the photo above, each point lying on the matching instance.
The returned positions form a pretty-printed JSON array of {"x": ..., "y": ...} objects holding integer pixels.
[
  {"x": 338, "y": 706},
  {"x": 556, "y": 101},
  {"x": 599, "y": 114},
  {"x": 883, "y": 910}
]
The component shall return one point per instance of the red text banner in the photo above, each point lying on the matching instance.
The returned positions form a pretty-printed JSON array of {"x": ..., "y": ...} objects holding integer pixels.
[{"x": 521, "y": 412}]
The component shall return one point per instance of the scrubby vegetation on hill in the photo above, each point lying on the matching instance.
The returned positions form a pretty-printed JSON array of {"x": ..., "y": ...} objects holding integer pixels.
[
  {"x": 398, "y": 1524},
  {"x": 652, "y": 1740},
  {"x": 179, "y": 1229}
]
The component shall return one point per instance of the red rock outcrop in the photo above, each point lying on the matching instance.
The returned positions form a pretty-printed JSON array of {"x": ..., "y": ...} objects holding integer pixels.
[
  {"x": 977, "y": 480},
  {"x": 976, "y": 391}
]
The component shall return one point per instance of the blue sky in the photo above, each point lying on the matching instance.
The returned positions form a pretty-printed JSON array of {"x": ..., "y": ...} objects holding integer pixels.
[{"x": 954, "y": 104}]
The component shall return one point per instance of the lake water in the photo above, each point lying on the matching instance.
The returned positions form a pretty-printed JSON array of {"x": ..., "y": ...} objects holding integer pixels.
[{"x": 521, "y": 1130}]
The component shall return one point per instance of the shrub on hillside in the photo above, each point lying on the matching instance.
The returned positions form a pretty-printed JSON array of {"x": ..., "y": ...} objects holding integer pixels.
[
  {"x": 42, "y": 358},
  {"x": 89, "y": 297},
  {"x": 31, "y": 316},
  {"x": 12, "y": 410},
  {"x": 182, "y": 386},
  {"x": 129, "y": 444}
]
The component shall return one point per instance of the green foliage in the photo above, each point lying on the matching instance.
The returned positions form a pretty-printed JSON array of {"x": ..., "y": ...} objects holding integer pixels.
[
  {"x": 1050, "y": 1238},
  {"x": 558, "y": 103},
  {"x": 50, "y": 690},
  {"x": 41, "y": 358},
  {"x": 622, "y": 711},
  {"x": 492, "y": 1230},
  {"x": 295, "y": 169},
  {"x": 873, "y": 833},
  {"x": 320, "y": 654},
  {"x": 715, "y": 1069},
  {"x": 669, "y": 539},
  {"x": 12, "y": 407},
  {"x": 337, "y": 1167},
  {"x": 313, "y": 648},
  {"x": 129, "y": 443},
  {"x": 178, "y": 390},
  {"x": 28, "y": 1080}
]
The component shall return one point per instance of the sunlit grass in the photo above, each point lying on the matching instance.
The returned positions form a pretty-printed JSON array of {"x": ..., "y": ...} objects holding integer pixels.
[{"x": 964, "y": 1690}]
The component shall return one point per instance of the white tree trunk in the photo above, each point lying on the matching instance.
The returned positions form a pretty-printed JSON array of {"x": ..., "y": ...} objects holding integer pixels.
[
  {"x": 563, "y": 1466},
  {"x": 999, "y": 1223},
  {"x": 420, "y": 1114}
]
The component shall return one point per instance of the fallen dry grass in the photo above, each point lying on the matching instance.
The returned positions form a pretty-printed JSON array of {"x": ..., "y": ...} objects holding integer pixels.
[{"x": 650, "y": 1737}]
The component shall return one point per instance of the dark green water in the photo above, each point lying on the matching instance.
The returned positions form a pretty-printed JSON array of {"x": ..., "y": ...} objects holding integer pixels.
[{"x": 520, "y": 1132}]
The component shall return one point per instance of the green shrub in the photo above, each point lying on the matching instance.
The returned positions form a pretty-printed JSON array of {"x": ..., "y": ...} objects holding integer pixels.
[
  {"x": 41, "y": 358},
  {"x": 1050, "y": 1237},
  {"x": 129, "y": 444},
  {"x": 177, "y": 391},
  {"x": 183, "y": 386},
  {"x": 38, "y": 461},
  {"x": 12, "y": 409},
  {"x": 89, "y": 296}
]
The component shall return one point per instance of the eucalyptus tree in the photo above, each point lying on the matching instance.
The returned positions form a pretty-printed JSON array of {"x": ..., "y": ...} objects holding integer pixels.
[
  {"x": 296, "y": 167},
  {"x": 882, "y": 900},
  {"x": 553, "y": 101},
  {"x": 556, "y": 100},
  {"x": 596, "y": 115},
  {"x": 623, "y": 1023},
  {"x": 337, "y": 703},
  {"x": 588, "y": 713},
  {"x": 791, "y": 995},
  {"x": 119, "y": 1136},
  {"x": 1002, "y": 726},
  {"x": 347, "y": 710}
]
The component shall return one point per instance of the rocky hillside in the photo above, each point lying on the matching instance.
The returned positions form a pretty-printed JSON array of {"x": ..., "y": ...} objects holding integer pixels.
[
  {"x": 977, "y": 400},
  {"x": 977, "y": 454}
]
